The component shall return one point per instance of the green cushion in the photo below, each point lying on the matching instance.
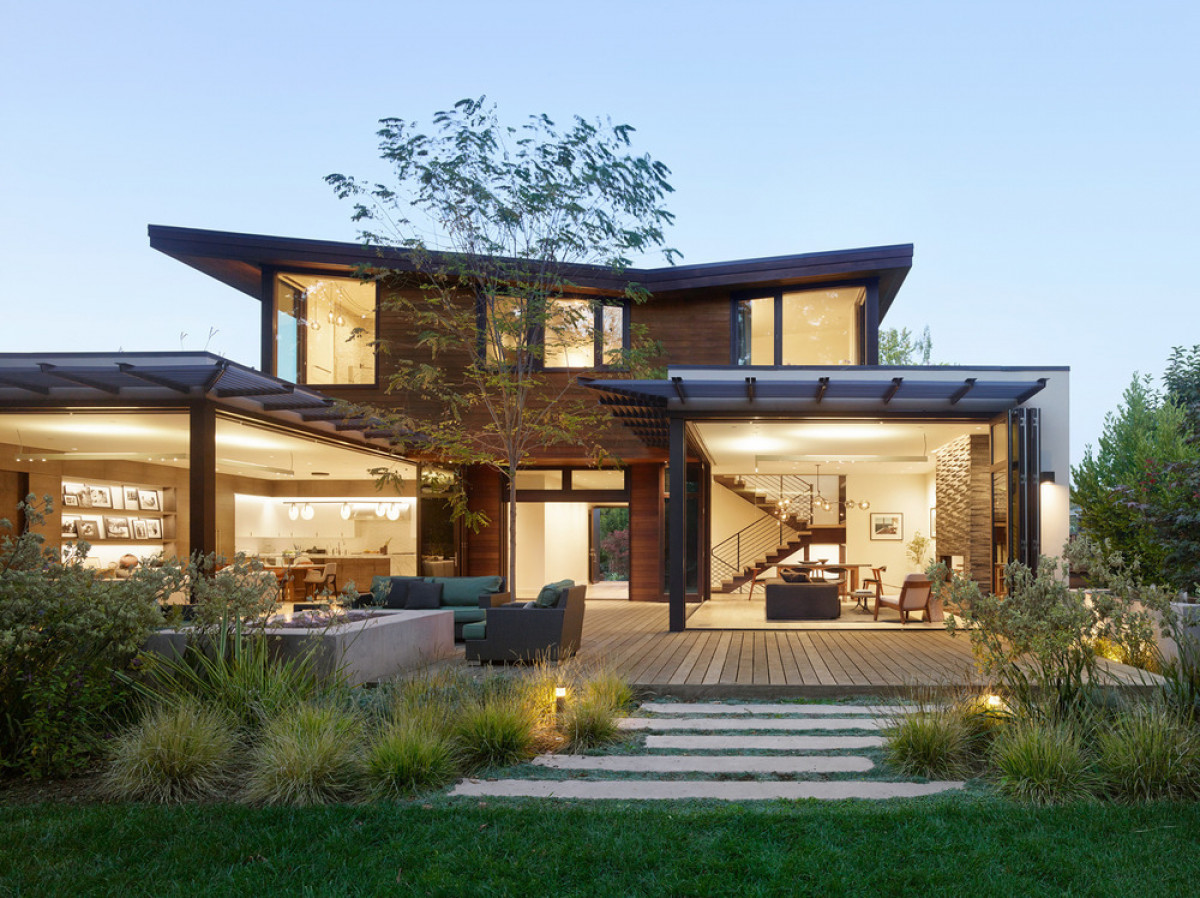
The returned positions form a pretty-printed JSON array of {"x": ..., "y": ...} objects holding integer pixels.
[
  {"x": 475, "y": 631},
  {"x": 552, "y": 592},
  {"x": 465, "y": 615},
  {"x": 465, "y": 590}
]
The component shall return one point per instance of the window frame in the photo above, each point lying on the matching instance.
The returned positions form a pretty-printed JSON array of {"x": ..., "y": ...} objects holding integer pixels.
[
  {"x": 537, "y": 335},
  {"x": 270, "y": 325},
  {"x": 867, "y": 320}
]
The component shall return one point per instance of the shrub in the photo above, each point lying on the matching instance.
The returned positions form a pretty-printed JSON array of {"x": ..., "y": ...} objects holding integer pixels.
[
  {"x": 495, "y": 732},
  {"x": 590, "y": 722},
  {"x": 609, "y": 688},
  {"x": 63, "y": 634},
  {"x": 1042, "y": 762},
  {"x": 409, "y": 756},
  {"x": 307, "y": 755},
  {"x": 935, "y": 743},
  {"x": 180, "y": 753},
  {"x": 1149, "y": 753}
]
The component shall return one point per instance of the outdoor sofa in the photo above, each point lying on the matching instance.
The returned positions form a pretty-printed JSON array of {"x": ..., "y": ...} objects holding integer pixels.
[{"x": 467, "y": 597}]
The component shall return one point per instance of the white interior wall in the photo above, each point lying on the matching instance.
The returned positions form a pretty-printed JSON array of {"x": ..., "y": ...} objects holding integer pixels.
[
  {"x": 262, "y": 527},
  {"x": 907, "y": 494},
  {"x": 552, "y": 544},
  {"x": 730, "y": 513}
]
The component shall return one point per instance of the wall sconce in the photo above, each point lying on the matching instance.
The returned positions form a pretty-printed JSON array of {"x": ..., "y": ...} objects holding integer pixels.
[
  {"x": 1046, "y": 477},
  {"x": 294, "y": 511},
  {"x": 346, "y": 511},
  {"x": 307, "y": 512}
]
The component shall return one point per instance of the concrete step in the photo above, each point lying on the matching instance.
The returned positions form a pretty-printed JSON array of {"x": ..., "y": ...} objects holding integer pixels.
[
  {"x": 732, "y": 764},
  {"x": 635, "y": 790},
  {"x": 786, "y": 724},
  {"x": 763, "y": 743},
  {"x": 775, "y": 708}
]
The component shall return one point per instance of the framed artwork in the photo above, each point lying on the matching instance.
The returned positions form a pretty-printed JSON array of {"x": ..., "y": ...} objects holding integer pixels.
[
  {"x": 116, "y": 528},
  {"x": 148, "y": 500},
  {"x": 887, "y": 525},
  {"x": 101, "y": 496},
  {"x": 131, "y": 497},
  {"x": 70, "y": 496},
  {"x": 153, "y": 528},
  {"x": 139, "y": 529},
  {"x": 88, "y": 528},
  {"x": 933, "y": 523},
  {"x": 69, "y": 527}
]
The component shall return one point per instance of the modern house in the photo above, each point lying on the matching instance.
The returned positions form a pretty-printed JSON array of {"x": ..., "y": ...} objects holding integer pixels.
[{"x": 775, "y": 434}]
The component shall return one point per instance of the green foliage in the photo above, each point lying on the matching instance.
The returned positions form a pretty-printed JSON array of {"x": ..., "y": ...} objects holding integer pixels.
[
  {"x": 931, "y": 742},
  {"x": 1148, "y": 754},
  {"x": 495, "y": 732},
  {"x": 1147, "y": 434},
  {"x": 182, "y": 752},
  {"x": 1042, "y": 762},
  {"x": 409, "y": 756},
  {"x": 918, "y": 550},
  {"x": 609, "y": 687},
  {"x": 307, "y": 755},
  {"x": 63, "y": 634},
  {"x": 590, "y": 722},
  {"x": 513, "y": 211},
  {"x": 235, "y": 669},
  {"x": 1182, "y": 380},
  {"x": 900, "y": 347}
]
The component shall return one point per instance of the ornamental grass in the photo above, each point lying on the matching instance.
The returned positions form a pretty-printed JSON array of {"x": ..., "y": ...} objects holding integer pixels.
[
  {"x": 1149, "y": 753},
  {"x": 307, "y": 755}
]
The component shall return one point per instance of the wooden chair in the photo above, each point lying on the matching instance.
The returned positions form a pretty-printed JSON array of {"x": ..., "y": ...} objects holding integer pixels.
[
  {"x": 872, "y": 588},
  {"x": 320, "y": 579},
  {"x": 915, "y": 595}
]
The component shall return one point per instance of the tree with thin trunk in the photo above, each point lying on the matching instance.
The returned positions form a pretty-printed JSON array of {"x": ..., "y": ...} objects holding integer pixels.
[{"x": 480, "y": 233}]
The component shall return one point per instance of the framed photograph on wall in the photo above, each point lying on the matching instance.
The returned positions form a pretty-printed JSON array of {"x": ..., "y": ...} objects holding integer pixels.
[
  {"x": 148, "y": 499},
  {"x": 88, "y": 528},
  {"x": 70, "y": 495},
  {"x": 153, "y": 528},
  {"x": 101, "y": 496},
  {"x": 933, "y": 523},
  {"x": 116, "y": 528},
  {"x": 139, "y": 529},
  {"x": 887, "y": 525},
  {"x": 131, "y": 497},
  {"x": 70, "y": 526}
]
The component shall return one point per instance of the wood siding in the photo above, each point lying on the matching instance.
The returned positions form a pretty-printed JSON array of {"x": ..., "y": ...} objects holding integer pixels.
[{"x": 646, "y": 521}]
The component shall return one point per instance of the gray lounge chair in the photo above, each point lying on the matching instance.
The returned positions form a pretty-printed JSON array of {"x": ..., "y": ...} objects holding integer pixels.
[{"x": 514, "y": 632}]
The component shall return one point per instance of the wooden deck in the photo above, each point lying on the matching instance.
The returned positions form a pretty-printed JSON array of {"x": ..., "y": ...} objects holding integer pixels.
[{"x": 633, "y": 638}]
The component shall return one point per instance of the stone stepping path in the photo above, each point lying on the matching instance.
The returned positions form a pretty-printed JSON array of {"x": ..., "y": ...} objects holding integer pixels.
[
  {"x": 785, "y": 724},
  {"x": 780, "y": 765},
  {"x": 718, "y": 746}
]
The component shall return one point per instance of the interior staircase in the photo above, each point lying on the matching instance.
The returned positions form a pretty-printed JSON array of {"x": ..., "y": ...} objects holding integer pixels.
[{"x": 779, "y": 532}]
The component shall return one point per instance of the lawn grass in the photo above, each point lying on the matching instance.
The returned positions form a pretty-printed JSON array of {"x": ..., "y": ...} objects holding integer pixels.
[{"x": 960, "y": 845}]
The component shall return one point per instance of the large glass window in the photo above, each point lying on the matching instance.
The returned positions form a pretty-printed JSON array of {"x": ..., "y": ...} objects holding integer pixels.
[
  {"x": 815, "y": 327},
  {"x": 575, "y": 333},
  {"x": 324, "y": 329}
]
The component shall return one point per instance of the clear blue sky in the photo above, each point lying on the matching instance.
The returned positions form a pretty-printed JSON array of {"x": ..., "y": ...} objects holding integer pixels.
[{"x": 1041, "y": 156}]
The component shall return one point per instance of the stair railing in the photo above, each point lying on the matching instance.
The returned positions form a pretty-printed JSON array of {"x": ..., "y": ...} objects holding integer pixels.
[{"x": 756, "y": 541}]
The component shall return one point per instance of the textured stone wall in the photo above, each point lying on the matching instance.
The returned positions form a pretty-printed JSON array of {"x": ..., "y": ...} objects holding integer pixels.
[{"x": 963, "y": 491}]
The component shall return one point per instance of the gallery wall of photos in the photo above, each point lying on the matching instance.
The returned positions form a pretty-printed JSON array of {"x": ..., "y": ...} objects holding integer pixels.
[{"x": 103, "y": 511}]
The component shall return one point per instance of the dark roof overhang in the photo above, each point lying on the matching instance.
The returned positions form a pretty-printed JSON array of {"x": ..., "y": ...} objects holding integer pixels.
[
  {"x": 646, "y": 406},
  {"x": 75, "y": 379},
  {"x": 239, "y": 260}
]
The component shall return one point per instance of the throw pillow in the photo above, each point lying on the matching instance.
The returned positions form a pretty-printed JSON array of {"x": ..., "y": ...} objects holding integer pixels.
[
  {"x": 397, "y": 596},
  {"x": 552, "y": 592},
  {"x": 423, "y": 596},
  {"x": 794, "y": 576}
]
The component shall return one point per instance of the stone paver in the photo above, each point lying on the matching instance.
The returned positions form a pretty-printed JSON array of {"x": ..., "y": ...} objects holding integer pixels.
[
  {"x": 786, "y": 724},
  {"x": 771, "y": 708},
  {"x": 639, "y": 789},
  {"x": 768, "y": 743},
  {"x": 734, "y": 764}
]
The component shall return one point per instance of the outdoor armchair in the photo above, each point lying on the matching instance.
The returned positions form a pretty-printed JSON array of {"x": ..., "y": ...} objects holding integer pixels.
[{"x": 522, "y": 631}]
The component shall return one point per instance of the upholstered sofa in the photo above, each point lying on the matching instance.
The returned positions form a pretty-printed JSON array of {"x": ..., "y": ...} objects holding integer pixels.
[
  {"x": 803, "y": 601},
  {"x": 530, "y": 631},
  {"x": 467, "y": 597}
]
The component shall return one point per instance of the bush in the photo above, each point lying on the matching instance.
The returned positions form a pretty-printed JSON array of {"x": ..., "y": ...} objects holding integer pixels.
[
  {"x": 409, "y": 756},
  {"x": 590, "y": 722},
  {"x": 495, "y": 732},
  {"x": 1042, "y": 762},
  {"x": 609, "y": 688},
  {"x": 63, "y": 634},
  {"x": 307, "y": 755},
  {"x": 934, "y": 743},
  {"x": 1149, "y": 753},
  {"x": 180, "y": 753}
]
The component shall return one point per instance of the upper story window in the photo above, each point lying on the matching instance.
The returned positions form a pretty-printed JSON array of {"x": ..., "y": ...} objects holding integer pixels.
[
  {"x": 324, "y": 329},
  {"x": 575, "y": 333},
  {"x": 800, "y": 327}
]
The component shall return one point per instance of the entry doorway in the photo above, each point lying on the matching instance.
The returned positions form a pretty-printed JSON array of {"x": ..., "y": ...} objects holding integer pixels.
[{"x": 608, "y": 552}]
